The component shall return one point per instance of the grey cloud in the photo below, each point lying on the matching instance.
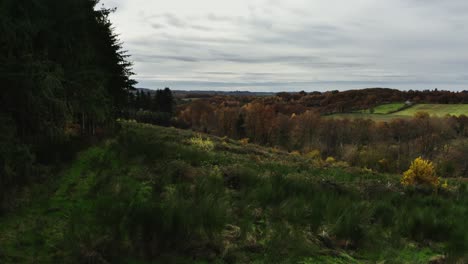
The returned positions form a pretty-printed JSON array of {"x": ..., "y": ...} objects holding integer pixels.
[
  {"x": 407, "y": 44},
  {"x": 251, "y": 21},
  {"x": 175, "y": 21},
  {"x": 162, "y": 58},
  {"x": 256, "y": 74},
  {"x": 220, "y": 57},
  {"x": 157, "y": 26},
  {"x": 219, "y": 73},
  {"x": 168, "y": 20},
  {"x": 203, "y": 28},
  {"x": 218, "y": 18}
]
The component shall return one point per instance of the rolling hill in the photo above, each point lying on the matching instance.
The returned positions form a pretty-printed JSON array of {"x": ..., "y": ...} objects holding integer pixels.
[{"x": 164, "y": 195}]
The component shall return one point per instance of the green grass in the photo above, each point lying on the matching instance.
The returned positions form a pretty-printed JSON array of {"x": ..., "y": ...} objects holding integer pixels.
[
  {"x": 436, "y": 109},
  {"x": 386, "y": 108},
  {"x": 386, "y": 112},
  {"x": 154, "y": 195},
  {"x": 375, "y": 117}
]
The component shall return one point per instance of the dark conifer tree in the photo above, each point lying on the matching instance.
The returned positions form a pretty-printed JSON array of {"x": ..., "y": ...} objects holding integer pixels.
[
  {"x": 60, "y": 64},
  {"x": 167, "y": 101}
]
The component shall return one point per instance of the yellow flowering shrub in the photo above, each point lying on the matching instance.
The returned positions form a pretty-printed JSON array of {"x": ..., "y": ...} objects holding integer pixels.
[
  {"x": 244, "y": 141},
  {"x": 314, "y": 155},
  {"x": 444, "y": 185},
  {"x": 204, "y": 144},
  {"x": 330, "y": 160},
  {"x": 420, "y": 172},
  {"x": 295, "y": 153}
]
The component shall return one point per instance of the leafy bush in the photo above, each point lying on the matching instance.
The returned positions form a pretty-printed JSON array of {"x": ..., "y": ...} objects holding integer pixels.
[{"x": 421, "y": 172}]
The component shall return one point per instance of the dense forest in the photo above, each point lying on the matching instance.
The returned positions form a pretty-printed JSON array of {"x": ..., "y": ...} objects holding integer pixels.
[
  {"x": 64, "y": 78},
  {"x": 332, "y": 101}
]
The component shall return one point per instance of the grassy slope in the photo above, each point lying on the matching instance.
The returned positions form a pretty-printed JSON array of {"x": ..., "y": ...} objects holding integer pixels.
[
  {"x": 386, "y": 108},
  {"x": 375, "y": 117},
  {"x": 437, "y": 109},
  {"x": 152, "y": 194},
  {"x": 381, "y": 112}
]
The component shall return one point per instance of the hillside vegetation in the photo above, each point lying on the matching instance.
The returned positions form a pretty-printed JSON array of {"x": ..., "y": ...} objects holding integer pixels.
[{"x": 163, "y": 195}]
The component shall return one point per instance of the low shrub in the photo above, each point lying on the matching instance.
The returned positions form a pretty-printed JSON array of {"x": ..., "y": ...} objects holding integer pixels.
[
  {"x": 204, "y": 144},
  {"x": 421, "y": 172}
]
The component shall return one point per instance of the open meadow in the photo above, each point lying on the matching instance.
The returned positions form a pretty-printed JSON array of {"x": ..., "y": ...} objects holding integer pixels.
[{"x": 387, "y": 112}]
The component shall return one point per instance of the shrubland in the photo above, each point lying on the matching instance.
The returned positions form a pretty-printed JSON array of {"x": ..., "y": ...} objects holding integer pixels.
[{"x": 158, "y": 195}]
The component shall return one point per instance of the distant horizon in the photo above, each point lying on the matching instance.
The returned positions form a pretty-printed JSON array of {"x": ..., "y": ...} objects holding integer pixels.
[{"x": 245, "y": 89}]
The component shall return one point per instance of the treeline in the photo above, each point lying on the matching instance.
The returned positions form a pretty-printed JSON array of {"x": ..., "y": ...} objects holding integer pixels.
[
  {"x": 63, "y": 76},
  {"x": 342, "y": 102},
  {"x": 383, "y": 146},
  {"x": 347, "y": 101},
  {"x": 155, "y": 107}
]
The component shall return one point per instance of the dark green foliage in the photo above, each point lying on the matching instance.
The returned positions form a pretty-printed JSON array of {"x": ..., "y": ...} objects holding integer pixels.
[
  {"x": 169, "y": 210},
  {"x": 149, "y": 117},
  {"x": 352, "y": 224},
  {"x": 16, "y": 161},
  {"x": 164, "y": 101},
  {"x": 384, "y": 214},
  {"x": 155, "y": 108},
  {"x": 62, "y": 74}
]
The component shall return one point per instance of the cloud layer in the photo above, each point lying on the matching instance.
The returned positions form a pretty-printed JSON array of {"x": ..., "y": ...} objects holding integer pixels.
[{"x": 281, "y": 45}]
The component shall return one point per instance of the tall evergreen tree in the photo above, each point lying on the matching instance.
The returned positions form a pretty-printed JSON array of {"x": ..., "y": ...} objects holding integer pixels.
[{"x": 60, "y": 64}]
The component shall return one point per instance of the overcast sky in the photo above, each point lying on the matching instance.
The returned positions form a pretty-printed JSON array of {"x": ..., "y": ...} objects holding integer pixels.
[{"x": 293, "y": 45}]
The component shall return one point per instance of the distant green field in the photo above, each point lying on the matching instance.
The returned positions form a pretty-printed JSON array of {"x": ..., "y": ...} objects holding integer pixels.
[
  {"x": 380, "y": 112},
  {"x": 436, "y": 109},
  {"x": 385, "y": 108},
  {"x": 375, "y": 117}
]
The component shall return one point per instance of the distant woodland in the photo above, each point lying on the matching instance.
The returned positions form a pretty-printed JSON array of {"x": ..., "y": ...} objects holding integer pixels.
[{"x": 297, "y": 122}]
